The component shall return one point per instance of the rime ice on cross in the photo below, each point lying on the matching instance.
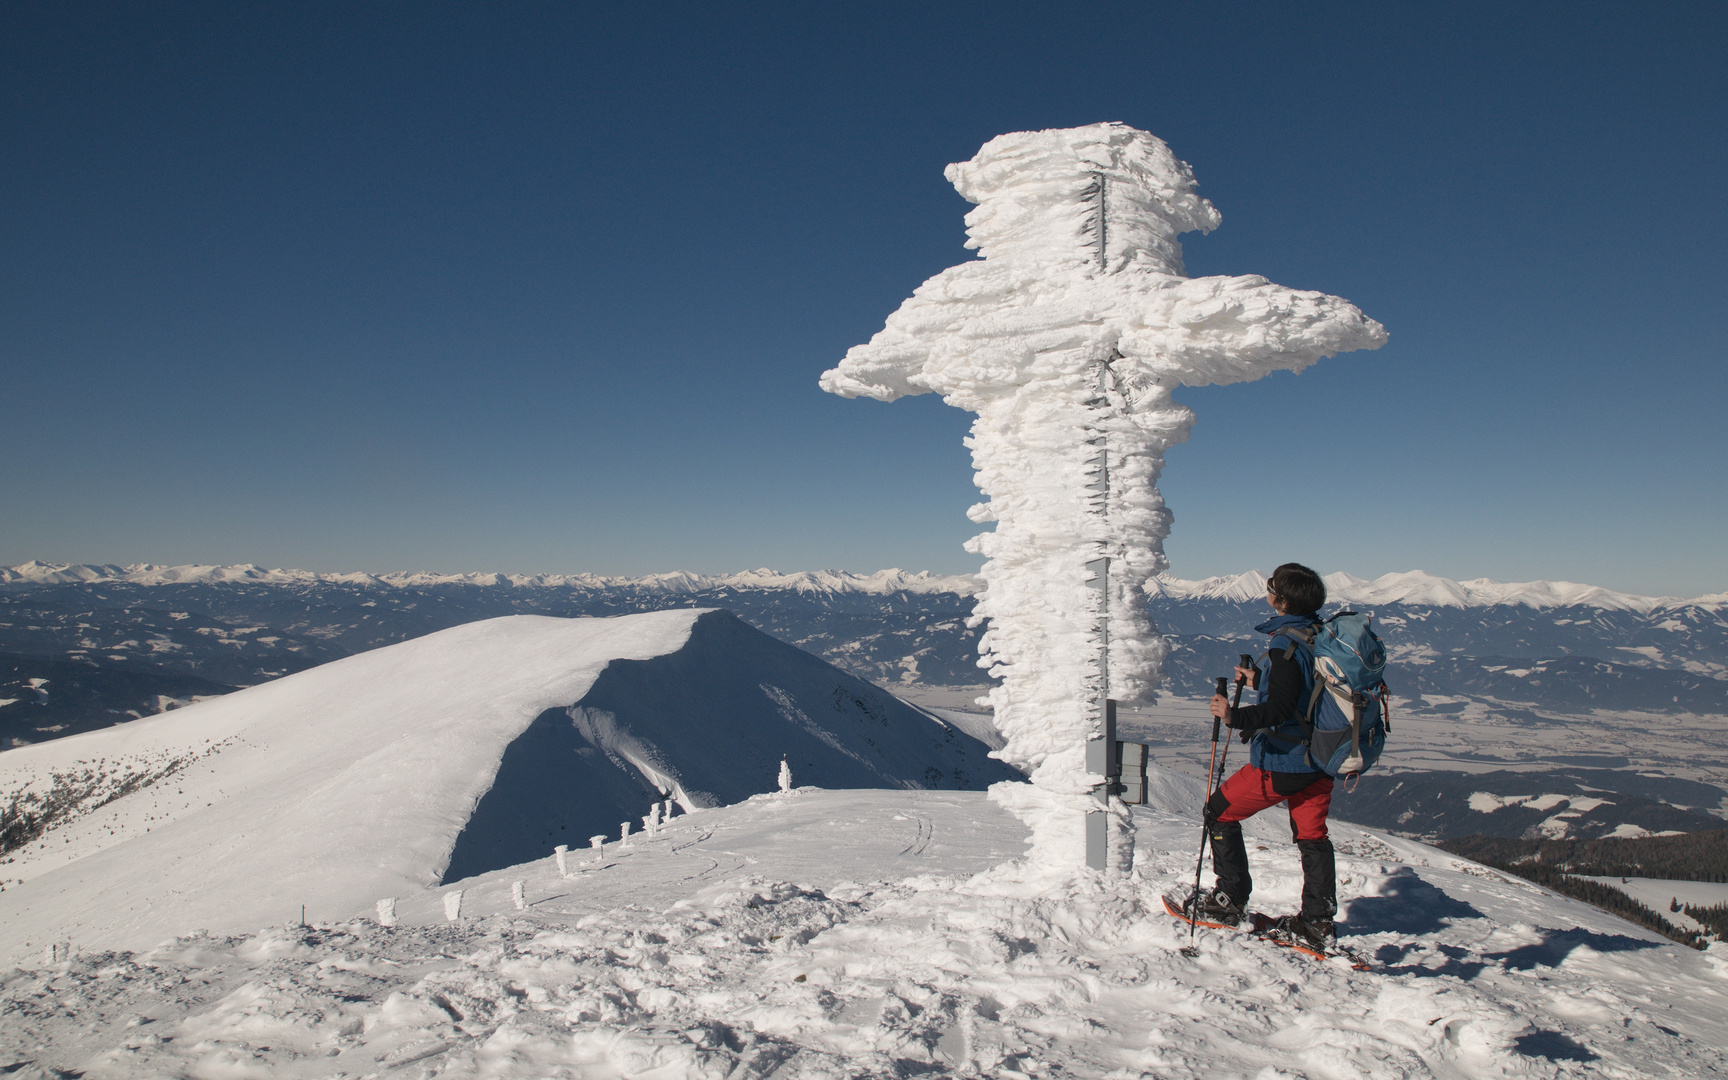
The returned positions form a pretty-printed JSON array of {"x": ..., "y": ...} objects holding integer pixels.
[{"x": 1066, "y": 339}]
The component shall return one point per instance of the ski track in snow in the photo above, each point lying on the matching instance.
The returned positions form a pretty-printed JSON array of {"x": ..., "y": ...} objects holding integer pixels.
[{"x": 844, "y": 934}]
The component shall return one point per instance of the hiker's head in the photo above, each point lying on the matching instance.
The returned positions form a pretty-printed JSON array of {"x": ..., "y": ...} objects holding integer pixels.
[{"x": 1296, "y": 590}]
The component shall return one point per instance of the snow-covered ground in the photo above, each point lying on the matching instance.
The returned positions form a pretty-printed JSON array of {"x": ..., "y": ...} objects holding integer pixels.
[{"x": 851, "y": 934}]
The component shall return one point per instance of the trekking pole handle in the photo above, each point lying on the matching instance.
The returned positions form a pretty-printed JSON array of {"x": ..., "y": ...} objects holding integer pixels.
[
  {"x": 1220, "y": 690},
  {"x": 1243, "y": 660}
]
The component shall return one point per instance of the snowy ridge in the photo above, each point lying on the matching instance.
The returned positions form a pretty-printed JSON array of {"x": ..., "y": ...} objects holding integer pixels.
[
  {"x": 349, "y": 781},
  {"x": 393, "y": 771}
]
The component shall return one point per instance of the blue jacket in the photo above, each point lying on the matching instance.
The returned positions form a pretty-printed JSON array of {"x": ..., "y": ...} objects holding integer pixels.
[{"x": 1286, "y": 754}]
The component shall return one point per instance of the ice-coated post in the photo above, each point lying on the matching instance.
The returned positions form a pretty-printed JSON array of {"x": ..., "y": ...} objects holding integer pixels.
[
  {"x": 559, "y": 855},
  {"x": 50, "y": 954},
  {"x": 597, "y": 844},
  {"x": 387, "y": 911},
  {"x": 453, "y": 905},
  {"x": 785, "y": 774},
  {"x": 623, "y": 834},
  {"x": 666, "y": 813},
  {"x": 519, "y": 895}
]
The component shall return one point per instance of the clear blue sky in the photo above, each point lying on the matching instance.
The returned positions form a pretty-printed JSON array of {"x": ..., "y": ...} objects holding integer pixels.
[{"x": 547, "y": 287}]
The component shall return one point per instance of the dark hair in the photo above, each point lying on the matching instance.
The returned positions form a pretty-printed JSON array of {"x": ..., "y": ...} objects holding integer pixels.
[{"x": 1300, "y": 588}]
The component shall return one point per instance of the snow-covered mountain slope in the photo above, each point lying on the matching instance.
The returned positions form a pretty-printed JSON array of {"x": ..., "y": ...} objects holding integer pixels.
[
  {"x": 844, "y": 934},
  {"x": 453, "y": 754}
]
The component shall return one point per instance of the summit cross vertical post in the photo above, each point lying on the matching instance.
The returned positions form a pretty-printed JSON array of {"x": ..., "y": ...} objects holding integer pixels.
[
  {"x": 1102, "y": 759},
  {"x": 1077, "y": 229}
]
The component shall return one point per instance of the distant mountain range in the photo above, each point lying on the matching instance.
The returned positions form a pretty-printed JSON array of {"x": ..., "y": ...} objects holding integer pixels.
[
  {"x": 205, "y": 629},
  {"x": 678, "y": 581},
  {"x": 1412, "y": 587},
  {"x": 1418, "y": 588}
]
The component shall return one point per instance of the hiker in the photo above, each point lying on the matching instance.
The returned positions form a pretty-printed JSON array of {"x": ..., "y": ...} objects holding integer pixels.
[{"x": 1278, "y": 769}]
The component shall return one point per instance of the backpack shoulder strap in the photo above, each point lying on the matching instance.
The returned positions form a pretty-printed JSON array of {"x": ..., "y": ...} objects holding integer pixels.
[
  {"x": 1294, "y": 634},
  {"x": 1304, "y": 715}
]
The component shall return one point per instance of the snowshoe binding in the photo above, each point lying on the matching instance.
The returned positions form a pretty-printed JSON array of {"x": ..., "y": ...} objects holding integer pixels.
[
  {"x": 1313, "y": 937},
  {"x": 1208, "y": 907}
]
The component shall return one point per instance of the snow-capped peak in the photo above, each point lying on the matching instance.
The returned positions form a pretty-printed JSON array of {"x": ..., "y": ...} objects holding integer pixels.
[
  {"x": 1421, "y": 588},
  {"x": 1418, "y": 587},
  {"x": 1238, "y": 588}
]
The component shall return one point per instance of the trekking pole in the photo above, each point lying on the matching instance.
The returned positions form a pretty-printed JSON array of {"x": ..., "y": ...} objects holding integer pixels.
[
  {"x": 1212, "y": 782},
  {"x": 1200, "y": 861}
]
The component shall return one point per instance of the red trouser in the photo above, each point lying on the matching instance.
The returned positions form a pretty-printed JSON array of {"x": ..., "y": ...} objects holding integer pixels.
[
  {"x": 1250, "y": 791},
  {"x": 1247, "y": 793}
]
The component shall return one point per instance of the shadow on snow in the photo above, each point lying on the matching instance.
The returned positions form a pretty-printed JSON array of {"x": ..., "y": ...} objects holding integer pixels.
[{"x": 1406, "y": 905}]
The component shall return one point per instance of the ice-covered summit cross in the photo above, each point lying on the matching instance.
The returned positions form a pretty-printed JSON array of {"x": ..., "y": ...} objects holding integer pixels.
[{"x": 1066, "y": 338}]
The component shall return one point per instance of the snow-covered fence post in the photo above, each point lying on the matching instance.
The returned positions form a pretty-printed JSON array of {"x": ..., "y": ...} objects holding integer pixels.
[
  {"x": 597, "y": 844},
  {"x": 519, "y": 895},
  {"x": 666, "y": 811},
  {"x": 785, "y": 774},
  {"x": 387, "y": 911},
  {"x": 559, "y": 855},
  {"x": 453, "y": 905},
  {"x": 1067, "y": 339}
]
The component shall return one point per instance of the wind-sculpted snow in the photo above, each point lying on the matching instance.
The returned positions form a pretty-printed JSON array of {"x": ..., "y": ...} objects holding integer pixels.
[
  {"x": 826, "y": 934},
  {"x": 1067, "y": 339}
]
